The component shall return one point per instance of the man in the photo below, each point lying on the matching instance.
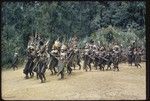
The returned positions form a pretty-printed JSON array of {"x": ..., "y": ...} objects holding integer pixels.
[
  {"x": 130, "y": 56},
  {"x": 101, "y": 57},
  {"x": 15, "y": 62},
  {"x": 109, "y": 58},
  {"x": 137, "y": 57},
  {"x": 29, "y": 65},
  {"x": 70, "y": 60},
  {"x": 77, "y": 58},
  {"x": 115, "y": 58},
  {"x": 96, "y": 58},
  {"x": 87, "y": 58},
  {"x": 59, "y": 58},
  {"x": 36, "y": 61},
  {"x": 61, "y": 65},
  {"x": 42, "y": 65}
]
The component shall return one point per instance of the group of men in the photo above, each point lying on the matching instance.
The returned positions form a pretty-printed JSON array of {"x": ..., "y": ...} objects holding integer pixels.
[
  {"x": 134, "y": 54},
  {"x": 100, "y": 56},
  {"x": 57, "y": 59},
  {"x": 113, "y": 54},
  {"x": 61, "y": 57}
]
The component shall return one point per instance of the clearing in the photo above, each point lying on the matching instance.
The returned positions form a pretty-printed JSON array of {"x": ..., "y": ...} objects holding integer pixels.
[{"x": 128, "y": 83}]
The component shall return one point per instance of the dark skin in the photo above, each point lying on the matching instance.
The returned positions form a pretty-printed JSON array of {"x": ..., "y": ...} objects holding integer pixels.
[
  {"x": 62, "y": 71},
  {"x": 29, "y": 65},
  {"x": 14, "y": 65}
]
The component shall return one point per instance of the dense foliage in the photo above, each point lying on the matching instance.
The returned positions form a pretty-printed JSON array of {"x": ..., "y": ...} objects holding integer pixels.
[{"x": 85, "y": 19}]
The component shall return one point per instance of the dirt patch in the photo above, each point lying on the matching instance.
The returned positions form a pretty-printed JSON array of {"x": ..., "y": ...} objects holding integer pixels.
[{"x": 128, "y": 83}]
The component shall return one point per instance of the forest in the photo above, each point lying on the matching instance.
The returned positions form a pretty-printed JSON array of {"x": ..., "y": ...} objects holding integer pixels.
[{"x": 85, "y": 19}]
